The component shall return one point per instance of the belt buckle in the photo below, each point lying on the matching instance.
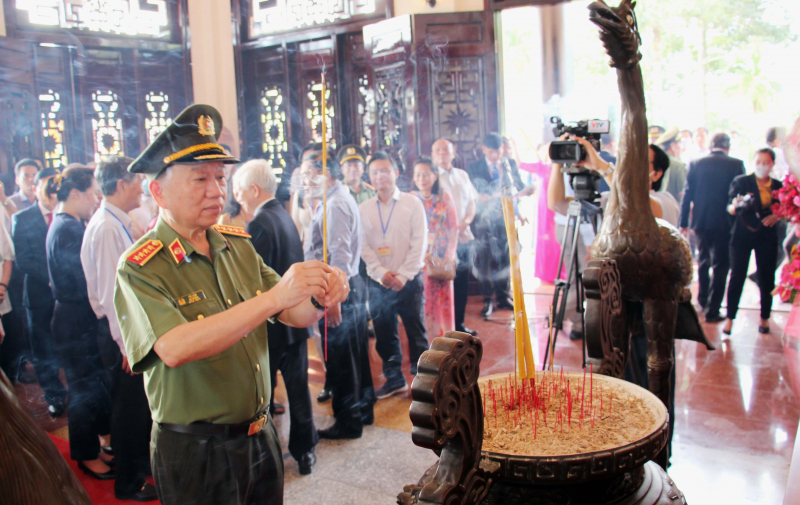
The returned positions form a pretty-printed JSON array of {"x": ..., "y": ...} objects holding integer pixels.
[{"x": 256, "y": 425}]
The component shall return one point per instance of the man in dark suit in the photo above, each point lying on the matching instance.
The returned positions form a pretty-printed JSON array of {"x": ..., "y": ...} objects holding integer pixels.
[
  {"x": 705, "y": 199},
  {"x": 275, "y": 238},
  {"x": 489, "y": 175},
  {"x": 29, "y": 234}
]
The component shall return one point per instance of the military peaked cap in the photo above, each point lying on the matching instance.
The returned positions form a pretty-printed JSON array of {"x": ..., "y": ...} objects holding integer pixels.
[
  {"x": 190, "y": 139},
  {"x": 351, "y": 152}
]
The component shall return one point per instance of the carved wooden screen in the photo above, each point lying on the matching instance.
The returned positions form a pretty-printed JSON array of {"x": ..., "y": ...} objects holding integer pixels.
[
  {"x": 456, "y": 80},
  {"x": 391, "y": 67},
  {"x": 311, "y": 59},
  {"x": 56, "y": 105},
  {"x": 160, "y": 93},
  {"x": 266, "y": 95},
  {"x": 19, "y": 118},
  {"x": 360, "y": 97},
  {"x": 108, "y": 127}
]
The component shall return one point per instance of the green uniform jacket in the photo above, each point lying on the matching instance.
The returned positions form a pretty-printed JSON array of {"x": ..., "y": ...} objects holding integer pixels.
[
  {"x": 365, "y": 193},
  {"x": 159, "y": 289}
]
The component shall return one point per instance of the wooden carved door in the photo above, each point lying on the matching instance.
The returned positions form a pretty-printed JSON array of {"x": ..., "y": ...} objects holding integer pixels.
[
  {"x": 56, "y": 104},
  {"x": 357, "y": 92},
  {"x": 456, "y": 80},
  {"x": 107, "y": 104},
  {"x": 266, "y": 93},
  {"x": 391, "y": 71},
  {"x": 19, "y": 132},
  {"x": 312, "y": 58}
]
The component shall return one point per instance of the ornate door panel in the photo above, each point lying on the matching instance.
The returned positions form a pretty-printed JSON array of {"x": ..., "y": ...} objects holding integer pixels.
[
  {"x": 266, "y": 95},
  {"x": 391, "y": 71},
  {"x": 107, "y": 104},
  {"x": 160, "y": 94},
  {"x": 56, "y": 104},
  {"x": 456, "y": 80},
  {"x": 19, "y": 132},
  {"x": 311, "y": 59},
  {"x": 359, "y": 96}
]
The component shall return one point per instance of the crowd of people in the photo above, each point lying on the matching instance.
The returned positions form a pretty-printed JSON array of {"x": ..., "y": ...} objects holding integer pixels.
[
  {"x": 406, "y": 254},
  {"x": 87, "y": 254}
]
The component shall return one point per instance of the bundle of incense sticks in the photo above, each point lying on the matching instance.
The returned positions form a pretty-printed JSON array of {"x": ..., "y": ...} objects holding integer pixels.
[{"x": 549, "y": 397}]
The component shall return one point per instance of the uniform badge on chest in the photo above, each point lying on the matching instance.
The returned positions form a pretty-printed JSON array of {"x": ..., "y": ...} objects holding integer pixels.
[{"x": 190, "y": 298}]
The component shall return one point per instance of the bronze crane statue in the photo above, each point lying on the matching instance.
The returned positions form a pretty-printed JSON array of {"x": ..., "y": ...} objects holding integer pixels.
[{"x": 654, "y": 261}]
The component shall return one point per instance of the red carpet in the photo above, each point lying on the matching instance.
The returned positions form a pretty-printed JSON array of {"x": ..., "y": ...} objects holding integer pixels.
[{"x": 100, "y": 491}]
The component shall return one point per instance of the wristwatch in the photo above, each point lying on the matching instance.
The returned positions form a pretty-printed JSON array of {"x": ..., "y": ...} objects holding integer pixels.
[
  {"x": 609, "y": 170},
  {"x": 316, "y": 304}
]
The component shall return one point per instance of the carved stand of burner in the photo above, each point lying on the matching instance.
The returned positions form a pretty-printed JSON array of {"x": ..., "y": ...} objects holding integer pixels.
[{"x": 447, "y": 416}]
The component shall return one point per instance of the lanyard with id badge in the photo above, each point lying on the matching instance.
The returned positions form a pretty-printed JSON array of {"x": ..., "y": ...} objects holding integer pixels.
[{"x": 385, "y": 250}]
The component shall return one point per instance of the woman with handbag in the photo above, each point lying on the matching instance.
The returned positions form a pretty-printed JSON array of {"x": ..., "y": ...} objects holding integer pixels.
[{"x": 440, "y": 259}]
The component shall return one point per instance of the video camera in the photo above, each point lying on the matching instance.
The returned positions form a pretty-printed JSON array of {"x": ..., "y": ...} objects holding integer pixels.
[{"x": 568, "y": 152}]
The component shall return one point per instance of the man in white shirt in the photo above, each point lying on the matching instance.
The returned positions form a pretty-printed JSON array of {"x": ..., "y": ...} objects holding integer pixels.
[
  {"x": 457, "y": 183},
  {"x": 395, "y": 239},
  {"x": 108, "y": 235}
]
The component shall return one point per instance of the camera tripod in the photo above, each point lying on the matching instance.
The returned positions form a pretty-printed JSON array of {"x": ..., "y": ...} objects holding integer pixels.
[{"x": 578, "y": 211}]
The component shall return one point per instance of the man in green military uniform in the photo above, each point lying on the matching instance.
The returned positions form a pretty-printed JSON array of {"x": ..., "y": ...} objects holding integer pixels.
[
  {"x": 351, "y": 158},
  {"x": 192, "y": 300}
]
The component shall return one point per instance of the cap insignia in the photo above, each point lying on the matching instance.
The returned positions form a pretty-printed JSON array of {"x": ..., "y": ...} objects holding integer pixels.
[
  {"x": 205, "y": 125},
  {"x": 351, "y": 150}
]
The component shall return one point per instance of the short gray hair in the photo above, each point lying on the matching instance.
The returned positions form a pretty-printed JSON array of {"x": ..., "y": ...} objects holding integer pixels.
[
  {"x": 256, "y": 172},
  {"x": 112, "y": 170}
]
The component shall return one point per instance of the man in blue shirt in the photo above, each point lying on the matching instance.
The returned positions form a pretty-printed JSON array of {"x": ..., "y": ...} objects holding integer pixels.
[{"x": 347, "y": 350}]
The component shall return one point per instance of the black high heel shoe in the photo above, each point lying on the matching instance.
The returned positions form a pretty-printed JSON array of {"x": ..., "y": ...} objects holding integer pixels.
[{"x": 111, "y": 474}]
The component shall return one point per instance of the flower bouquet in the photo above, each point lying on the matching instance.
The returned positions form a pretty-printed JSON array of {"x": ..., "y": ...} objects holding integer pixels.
[
  {"x": 788, "y": 196},
  {"x": 789, "y": 283}
]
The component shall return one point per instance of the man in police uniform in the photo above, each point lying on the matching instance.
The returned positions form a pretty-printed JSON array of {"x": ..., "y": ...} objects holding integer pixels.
[
  {"x": 351, "y": 158},
  {"x": 192, "y": 299}
]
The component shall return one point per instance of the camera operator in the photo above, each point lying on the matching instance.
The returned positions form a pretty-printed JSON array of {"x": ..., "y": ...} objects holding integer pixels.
[
  {"x": 750, "y": 198},
  {"x": 558, "y": 202}
]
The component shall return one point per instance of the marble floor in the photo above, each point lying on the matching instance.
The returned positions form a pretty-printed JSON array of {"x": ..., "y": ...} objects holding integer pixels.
[{"x": 736, "y": 422}]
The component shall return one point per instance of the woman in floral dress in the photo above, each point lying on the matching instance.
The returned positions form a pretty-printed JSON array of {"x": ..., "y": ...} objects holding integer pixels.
[{"x": 442, "y": 242}]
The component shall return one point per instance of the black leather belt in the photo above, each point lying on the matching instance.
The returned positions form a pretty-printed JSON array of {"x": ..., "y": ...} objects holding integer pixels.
[{"x": 218, "y": 430}]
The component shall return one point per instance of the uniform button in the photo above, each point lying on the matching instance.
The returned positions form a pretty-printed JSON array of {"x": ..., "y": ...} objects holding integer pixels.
[
  {"x": 258, "y": 292},
  {"x": 201, "y": 316},
  {"x": 262, "y": 400},
  {"x": 258, "y": 367},
  {"x": 230, "y": 302}
]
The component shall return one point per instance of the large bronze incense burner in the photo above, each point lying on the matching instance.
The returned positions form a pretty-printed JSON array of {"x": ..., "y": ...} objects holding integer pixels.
[{"x": 447, "y": 414}]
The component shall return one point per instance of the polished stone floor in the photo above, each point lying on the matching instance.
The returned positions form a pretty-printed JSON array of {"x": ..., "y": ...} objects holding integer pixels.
[{"x": 737, "y": 415}]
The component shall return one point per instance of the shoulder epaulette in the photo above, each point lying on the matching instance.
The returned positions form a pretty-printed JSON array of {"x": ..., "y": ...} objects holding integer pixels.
[
  {"x": 144, "y": 252},
  {"x": 236, "y": 231}
]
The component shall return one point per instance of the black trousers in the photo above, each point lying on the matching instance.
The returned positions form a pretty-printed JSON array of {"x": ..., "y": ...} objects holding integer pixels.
[
  {"x": 292, "y": 361},
  {"x": 202, "y": 470},
  {"x": 461, "y": 284},
  {"x": 89, "y": 403},
  {"x": 492, "y": 262},
  {"x": 765, "y": 244},
  {"x": 45, "y": 360},
  {"x": 349, "y": 375},
  {"x": 713, "y": 253},
  {"x": 385, "y": 305},
  {"x": 16, "y": 346},
  {"x": 131, "y": 422}
]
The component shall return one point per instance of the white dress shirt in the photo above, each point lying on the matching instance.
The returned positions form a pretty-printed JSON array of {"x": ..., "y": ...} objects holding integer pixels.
[
  {"x": 6, "y": 254},
  {"x": 781, "y": 168},
  {"x": 401, "y": 248},
  {"x": 107, "y": 237},
  {"x": 457, "y": 183}
]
